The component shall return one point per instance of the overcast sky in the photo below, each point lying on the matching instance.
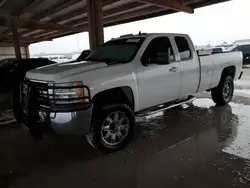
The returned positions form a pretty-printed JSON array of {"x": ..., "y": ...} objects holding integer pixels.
[{"x": 214, "y": 24}]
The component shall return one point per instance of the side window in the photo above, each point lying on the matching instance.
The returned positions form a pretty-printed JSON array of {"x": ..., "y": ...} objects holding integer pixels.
[
  {"x": 183, "y": 48},
  {"x": 159, "y": 47}
]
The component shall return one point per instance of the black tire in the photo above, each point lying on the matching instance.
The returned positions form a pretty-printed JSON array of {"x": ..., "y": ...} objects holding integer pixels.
[
  {"x": 218, "y": 93},
  {"x": 100, "y": 116}
]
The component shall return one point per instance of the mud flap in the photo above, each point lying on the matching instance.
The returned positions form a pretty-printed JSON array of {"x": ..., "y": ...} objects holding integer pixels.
[{"x": 90, "y": 138}]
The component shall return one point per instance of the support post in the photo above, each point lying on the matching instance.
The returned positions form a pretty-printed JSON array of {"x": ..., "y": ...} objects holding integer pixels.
[
  {"x": 95, "y": 23},
  {"x": 15, "y": 40},
  {"x": 27, "y": 51}
]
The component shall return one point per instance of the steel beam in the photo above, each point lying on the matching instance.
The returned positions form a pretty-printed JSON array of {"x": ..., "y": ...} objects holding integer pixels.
[
  {"x": 15, "y": 40},
  {"x": 33, "y": 4},
  {"x": 50, "y": 36},
  {"x": 56, "y": 8},
  {"x": 2, "y": 3},
  {"x": 4, "y": 37},
  {"x": 32, "y": 24},
  {"x": 95, "y": 23},
  {"x": 27, "y": 51},
  {"x": 171, "y": 4}
]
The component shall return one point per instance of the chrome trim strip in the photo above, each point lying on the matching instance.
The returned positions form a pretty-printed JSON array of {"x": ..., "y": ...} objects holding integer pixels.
[{"x": 38, "y": 81}]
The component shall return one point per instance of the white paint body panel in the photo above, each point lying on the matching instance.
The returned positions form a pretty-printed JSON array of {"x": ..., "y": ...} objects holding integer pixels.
[
  {"x": 213, "y": 65},
  {"x": 151, "y": 85},
  {"x": 157, "y": 85}
]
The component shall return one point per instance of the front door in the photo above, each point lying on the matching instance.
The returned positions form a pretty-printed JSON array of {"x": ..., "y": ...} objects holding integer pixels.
[{"x": 158, "y": 82}]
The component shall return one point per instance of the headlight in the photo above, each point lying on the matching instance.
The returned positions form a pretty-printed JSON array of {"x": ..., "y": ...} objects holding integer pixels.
[{"x": 67, "y": 93}]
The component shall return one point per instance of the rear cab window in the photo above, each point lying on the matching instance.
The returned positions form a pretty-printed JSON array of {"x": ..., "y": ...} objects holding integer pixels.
[{"x": 183, "y": 48}]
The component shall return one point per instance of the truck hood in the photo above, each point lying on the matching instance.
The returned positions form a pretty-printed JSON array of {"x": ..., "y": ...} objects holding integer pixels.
[{"x": 58, "y": 71}]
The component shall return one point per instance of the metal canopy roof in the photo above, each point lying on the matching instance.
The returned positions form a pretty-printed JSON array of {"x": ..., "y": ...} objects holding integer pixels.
[{"x": 41, "y": 20}]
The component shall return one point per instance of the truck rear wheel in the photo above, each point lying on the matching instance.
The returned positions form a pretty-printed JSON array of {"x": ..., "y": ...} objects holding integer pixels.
[
  {"x": 113, "y": 127},
  {"x": 223, "y": 93}
]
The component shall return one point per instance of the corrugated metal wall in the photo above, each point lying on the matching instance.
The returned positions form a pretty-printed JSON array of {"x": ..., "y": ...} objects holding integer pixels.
[{"x": 9, "y": 52}]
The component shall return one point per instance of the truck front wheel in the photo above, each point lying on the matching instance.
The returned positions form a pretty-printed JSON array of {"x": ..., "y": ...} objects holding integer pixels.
[
  {"x": 223, "y": 93},
  {"x": 113, "y": 127}
]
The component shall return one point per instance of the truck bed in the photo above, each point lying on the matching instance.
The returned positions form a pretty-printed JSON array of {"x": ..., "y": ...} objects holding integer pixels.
[{"x": 211, "y": 67}]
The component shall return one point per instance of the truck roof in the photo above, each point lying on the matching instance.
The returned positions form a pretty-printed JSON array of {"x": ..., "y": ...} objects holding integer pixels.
[{"x": 145, "y": 35}]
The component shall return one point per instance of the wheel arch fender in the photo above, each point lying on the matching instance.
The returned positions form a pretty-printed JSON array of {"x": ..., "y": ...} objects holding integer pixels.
[
  {"x": 227, "y": 71},
  {"x": 121, "y": 94}
]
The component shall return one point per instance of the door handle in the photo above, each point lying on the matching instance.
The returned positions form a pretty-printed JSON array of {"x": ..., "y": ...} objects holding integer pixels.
[{"x": 173, "y": 69}]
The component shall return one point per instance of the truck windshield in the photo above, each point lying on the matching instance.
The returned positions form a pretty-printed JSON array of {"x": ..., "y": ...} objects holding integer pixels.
[{"x": 117, "y": 51}]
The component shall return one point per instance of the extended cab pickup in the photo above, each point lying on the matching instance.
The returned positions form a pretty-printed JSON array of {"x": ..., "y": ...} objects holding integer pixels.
[{"x": 127, "y": 76}]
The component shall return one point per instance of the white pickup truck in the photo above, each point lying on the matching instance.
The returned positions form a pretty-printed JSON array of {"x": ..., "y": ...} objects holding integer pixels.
[{"x": 127, "y": 76}]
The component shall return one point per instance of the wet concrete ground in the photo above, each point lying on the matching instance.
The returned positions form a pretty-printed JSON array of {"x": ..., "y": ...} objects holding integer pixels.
[{"x": 196, "y": 145}]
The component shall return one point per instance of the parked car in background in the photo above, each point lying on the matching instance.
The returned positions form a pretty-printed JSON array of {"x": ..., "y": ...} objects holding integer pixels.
[
  {"x": 6, "y": 68},
  {"x": 224, "y": 46},
  {"x": 12, "y": 70},
  {"x": 59, "y": 59},
  {"x": 69, "y": 58},
  {"x": 245, "y": 49},
  {"x": 128, "y": 76},
  {"x": 217, "y": 50}
]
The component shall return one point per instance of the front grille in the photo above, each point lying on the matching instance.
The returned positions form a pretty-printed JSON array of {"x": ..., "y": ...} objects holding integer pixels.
[
  {"x": 42, "y": 97},
  {"x": 39, "y": 92},
  {"x": 24, "y": 94}
]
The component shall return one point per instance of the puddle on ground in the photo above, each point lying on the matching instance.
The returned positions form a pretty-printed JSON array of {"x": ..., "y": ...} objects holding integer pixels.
[
  {"x": 231, "y": 123},
  {"x": 241, "y": 144},
  {"x": 196, "y": 135}
]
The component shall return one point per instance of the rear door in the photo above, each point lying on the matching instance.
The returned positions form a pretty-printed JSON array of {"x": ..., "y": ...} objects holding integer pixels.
[
  {"x": 189, "y": 64},
  {"x": 158, "y": 83}
]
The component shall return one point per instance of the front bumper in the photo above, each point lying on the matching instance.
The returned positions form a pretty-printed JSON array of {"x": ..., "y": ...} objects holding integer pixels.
[
  {"x": 67, "y": 123},
  {"x": 42, "y": 114}
]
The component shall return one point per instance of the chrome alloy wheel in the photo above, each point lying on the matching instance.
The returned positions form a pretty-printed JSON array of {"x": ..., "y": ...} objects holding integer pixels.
[
  {"x": 227, "y": 90},
  {"x": 115, "y": 128}
]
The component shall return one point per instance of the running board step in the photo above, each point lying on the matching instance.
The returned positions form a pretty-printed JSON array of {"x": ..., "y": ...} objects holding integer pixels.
[{"x": 165, "y": 106}]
